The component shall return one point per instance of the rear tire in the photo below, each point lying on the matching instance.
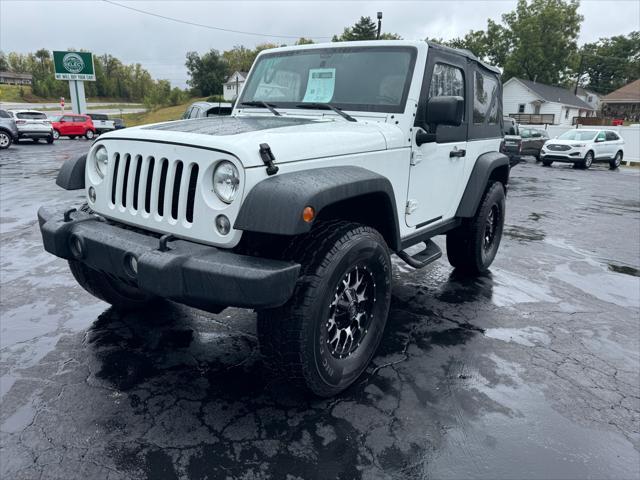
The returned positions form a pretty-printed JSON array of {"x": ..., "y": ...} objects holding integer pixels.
[
  {"x": 324, "y": 337},
  {"x": 35, "y": 140},
  {"x": 615, "y": 163},
  {"x": 120, "y": 295},
  {"x": 472, "y": 247},
  {"x": 50, "y": 139},
  {"x": 56, "y": 134}
]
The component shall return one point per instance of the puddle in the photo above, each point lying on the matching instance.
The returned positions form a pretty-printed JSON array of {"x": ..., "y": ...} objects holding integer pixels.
[
  {"x": 524, "y": 234},
  {"x": 528, "y": 336}
]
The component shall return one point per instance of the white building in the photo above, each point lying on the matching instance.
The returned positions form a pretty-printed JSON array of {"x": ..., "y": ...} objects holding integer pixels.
[
  {"x": 231, "y": 88},
  {"x": 536, "y": 103},
  {"x": 593, "y": 99}
]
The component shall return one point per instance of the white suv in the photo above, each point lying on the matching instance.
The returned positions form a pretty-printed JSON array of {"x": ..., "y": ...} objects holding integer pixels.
[
  {"x": 336, "y": 156},
  {"x": 584, "y": 146},
  {"x": 32, "y": 124}
]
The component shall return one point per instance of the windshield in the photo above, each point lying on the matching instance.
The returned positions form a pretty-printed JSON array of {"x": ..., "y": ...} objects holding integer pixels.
[
  {"x": 578, "y": 135},
  {"x": 373, "y": 79}
]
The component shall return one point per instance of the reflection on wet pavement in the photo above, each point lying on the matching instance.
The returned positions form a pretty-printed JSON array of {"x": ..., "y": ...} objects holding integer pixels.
[{"x": 531, "y": 370}]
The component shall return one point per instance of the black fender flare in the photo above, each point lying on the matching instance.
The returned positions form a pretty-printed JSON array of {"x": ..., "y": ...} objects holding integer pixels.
[
  {"x": 71, "y": 174},
  {"x": 490, "y": 165},
  {"x": 275, "y": 204}
]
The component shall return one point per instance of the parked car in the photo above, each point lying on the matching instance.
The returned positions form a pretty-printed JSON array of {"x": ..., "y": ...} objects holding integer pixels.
[
  {"x": 532, "y": 141},
  {"x": 72, "y": 126},
  {"x": 32, "y": 124},
  {"x": 584, "y": 146},
  {"x": 118, "y": 123},
  {"x": 8, "y": 130},
  {"x": 101, "y": 123},
  {"x": 511, "y": 144},
  {"x": 296, "y": 216},
  {"x": 208, "y": 109}
]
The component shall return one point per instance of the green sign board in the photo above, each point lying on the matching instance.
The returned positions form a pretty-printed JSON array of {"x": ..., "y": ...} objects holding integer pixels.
[{"x": 74, "y": 66}]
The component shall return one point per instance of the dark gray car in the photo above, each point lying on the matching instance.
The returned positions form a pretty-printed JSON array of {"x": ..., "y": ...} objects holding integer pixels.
[{"x": 8, "y": 130}]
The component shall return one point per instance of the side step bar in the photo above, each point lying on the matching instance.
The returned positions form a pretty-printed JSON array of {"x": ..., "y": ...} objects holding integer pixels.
[{"x": 430, "y": 254}]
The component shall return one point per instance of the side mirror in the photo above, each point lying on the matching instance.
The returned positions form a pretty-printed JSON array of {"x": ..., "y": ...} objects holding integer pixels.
[{"x": 445, "y": 110}]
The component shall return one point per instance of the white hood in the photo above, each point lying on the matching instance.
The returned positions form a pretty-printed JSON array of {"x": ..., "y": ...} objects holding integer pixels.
[{"x": 290, "y": 138}]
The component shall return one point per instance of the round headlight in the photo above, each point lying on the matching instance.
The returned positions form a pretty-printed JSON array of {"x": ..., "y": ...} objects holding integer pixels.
[
  {"x": 102, "y": 160},
  {"x": 226, "y": 181}
]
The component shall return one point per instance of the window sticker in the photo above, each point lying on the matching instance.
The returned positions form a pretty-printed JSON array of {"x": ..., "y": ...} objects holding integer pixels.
[{"x": 320, "y": 85}]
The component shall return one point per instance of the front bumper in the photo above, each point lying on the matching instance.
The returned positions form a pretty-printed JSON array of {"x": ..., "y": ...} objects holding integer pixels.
[
  {"x": 569, "y": 156},
  {"x": 198, "y": 275}
]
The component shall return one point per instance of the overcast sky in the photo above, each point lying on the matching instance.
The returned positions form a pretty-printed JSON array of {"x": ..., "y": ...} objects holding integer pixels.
[{"x": 160, "y": 45}]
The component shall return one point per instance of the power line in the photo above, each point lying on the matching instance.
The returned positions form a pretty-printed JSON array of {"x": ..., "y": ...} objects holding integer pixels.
[{"x": 210, "y": 27}]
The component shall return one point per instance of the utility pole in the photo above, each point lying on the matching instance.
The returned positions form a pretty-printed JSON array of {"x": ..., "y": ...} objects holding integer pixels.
[
  {"x": 379, "y": 25},
  {"x": 575, "y": 90}
]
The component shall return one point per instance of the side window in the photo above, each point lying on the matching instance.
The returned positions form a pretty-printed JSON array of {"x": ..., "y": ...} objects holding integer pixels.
[
  {"x": 611, "y": 136},
  {"x": 601, "y": 137},
  {"x": 446, "y": 81},
  {"x": 78, "y": 119},
  {"x": 67, "y": 118},
  {"x": 195, "y": 112},
  {"x": 525, "y": 133},
  {"x": 485, "y": 99}
]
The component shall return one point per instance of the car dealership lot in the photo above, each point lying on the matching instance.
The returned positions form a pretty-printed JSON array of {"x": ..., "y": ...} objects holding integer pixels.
[{"x": 530, "y": 371}]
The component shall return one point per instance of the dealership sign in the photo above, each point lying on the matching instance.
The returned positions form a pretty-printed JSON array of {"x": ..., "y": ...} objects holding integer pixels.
[{"x": 74, "y": 66}]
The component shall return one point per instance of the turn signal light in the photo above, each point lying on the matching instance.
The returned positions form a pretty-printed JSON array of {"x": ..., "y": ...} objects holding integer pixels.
[{"x": 308, "y": 214}]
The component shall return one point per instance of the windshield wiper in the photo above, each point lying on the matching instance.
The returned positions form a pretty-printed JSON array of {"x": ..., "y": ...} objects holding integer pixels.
[
  {"x": 260, "y": 103},
  {"x": 327, "y": 106}
]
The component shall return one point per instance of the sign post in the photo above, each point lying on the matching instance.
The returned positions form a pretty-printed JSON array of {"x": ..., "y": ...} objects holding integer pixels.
[
  {"x": 62, "y": 105},
  {"x": 76, "y": 67}
]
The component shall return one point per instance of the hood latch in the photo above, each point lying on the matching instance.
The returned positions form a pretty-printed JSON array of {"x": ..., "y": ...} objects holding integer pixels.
[{"x": 268, "y": 158}]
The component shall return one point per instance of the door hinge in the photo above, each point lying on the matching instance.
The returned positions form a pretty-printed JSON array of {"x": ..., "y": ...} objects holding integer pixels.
[
  {"x": 412, "y": 206},
  {"x": 416, "y": 158}
]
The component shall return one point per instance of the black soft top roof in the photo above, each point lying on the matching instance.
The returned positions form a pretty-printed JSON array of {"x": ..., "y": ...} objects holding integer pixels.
[{"x": 464, "y": 53}]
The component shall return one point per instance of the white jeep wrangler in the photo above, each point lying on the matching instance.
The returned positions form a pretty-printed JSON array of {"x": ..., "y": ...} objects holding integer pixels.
[{"x": 335, "y": 156}]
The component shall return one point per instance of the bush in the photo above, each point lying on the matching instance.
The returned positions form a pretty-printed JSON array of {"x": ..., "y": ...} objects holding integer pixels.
[{"x": 216, "y": 98}]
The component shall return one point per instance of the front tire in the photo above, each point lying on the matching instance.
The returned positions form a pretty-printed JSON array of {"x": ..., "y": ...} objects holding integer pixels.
[
  {"x": 50, "y": 139},
  {"x": 56, "y": 134},
  {"x": 472, "y": 247},
  {"x": 324, "y": 337},
  {"x": 89, "y": 134},
  {"x": 5, "y": 140},
  {"x": 588, "y": 161},
  {"x": 120, "y": 295},
  {"x": 547, "y": 163},
  {"x": 615, "y": 163}
]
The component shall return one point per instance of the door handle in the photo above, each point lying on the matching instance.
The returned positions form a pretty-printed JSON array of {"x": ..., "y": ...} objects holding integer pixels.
[{"x": 457, "y": 153}]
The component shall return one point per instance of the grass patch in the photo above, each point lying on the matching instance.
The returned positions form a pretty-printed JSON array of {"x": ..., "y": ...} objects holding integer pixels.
[
  {"x": 164, "y": 114},
  {"x": 19, "y": 94}
]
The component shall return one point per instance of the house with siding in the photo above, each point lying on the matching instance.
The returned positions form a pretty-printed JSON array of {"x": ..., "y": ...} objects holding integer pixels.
[
  {"x": 231, "y": 88},
  {"x": 536, "y": 103},
  {"x": 592, "y": 98}
]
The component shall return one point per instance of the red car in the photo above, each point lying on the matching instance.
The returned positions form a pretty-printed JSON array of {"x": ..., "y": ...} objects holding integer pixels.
[{"x": 72, "y": 126}]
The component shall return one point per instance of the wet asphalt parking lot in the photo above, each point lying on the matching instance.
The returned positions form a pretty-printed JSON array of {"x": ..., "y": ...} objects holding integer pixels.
[{"x": 532, "y": 371}]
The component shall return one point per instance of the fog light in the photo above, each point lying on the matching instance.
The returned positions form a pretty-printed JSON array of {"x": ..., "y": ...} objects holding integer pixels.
[
  {"x": 222, "y": 224},
  {"x": 77, "y": 249},
  {"x": 131, "y": 265},
  {"x": 92, "y": 195}
]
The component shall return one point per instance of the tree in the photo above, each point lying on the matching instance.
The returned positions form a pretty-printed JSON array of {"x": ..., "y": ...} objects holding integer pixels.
[
  {"x": 239, "y": 58},
  {"x": 304, "y": 41},
  {"x": 542, "y": 40},
  {"x": 363, "y": 29},
  {"x": 610, "y": 63},
  {"x": 207, "y": 73}
]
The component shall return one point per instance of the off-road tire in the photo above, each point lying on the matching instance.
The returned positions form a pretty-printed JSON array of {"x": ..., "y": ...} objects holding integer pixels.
[
  {"x": 547, "y": 163},
  {"x": 120, "y": 295},
  {"x": 616, "y": 161},
  {"x": 467, "y": 248},
  {"x": 5, "y": 140},
  {"x": 294, "y": 338}
]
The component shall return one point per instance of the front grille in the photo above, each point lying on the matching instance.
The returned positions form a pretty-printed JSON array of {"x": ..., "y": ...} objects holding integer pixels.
[
  {"x": 558, "y": 148},
  {"x": 160, "y": 187}
]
